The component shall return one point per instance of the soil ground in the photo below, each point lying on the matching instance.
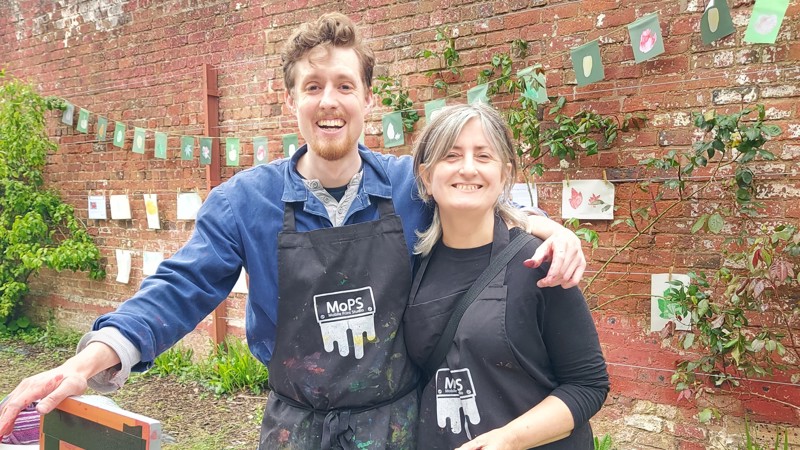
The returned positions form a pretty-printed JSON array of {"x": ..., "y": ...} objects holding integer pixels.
[{"x": 192, "y": 418}]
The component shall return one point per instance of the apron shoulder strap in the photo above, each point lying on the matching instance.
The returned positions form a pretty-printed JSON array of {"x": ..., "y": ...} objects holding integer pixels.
[{"x": 495, "y": 266}]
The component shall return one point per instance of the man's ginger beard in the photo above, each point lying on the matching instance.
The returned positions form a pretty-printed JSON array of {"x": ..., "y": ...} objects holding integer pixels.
[{"x": 332, "y": 150}]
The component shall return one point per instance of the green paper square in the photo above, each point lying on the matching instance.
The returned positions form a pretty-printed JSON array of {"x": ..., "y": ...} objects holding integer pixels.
[
  {"x": 138, "y": 140},
  {"x": 102, "y": 128},
  {"x": 432, "y": 107},
  {"x": 119, "y": 134},
  {"x": 290, "y": 144},
  {"x": 83, "y": 121},
  {"x": 68, "y": 116},
  {"x": 587, "y": 64},
  {"x": 206, "y": 148},
  {"x": 765, "y": 22},
  {"x": 716, "y": 22},
  {"x": 232, "y": 149},
  {"x": 361, "y": 139},
  {"x": 161, "y": 145},
  {"x": 478, "y": 94},
  {"x": 393, "y": 129},
  {"x": 187, "y": 148},
  {"x": 260, "y": 151},
  {"x": 535, "y": 84},
  {"x": 646, "y": 38}
]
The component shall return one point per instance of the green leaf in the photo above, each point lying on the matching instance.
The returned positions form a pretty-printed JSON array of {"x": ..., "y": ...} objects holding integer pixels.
[
  {"x": 704, "y": 416},
  {"x": 715, "y": 223},
  {"x": 771, "y": 130},
  {"x": 698, "y": 225},
  {"x": 688, "y": 340}
]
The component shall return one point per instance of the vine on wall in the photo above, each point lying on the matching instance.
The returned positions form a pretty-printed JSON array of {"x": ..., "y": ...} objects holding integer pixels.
[{"x": 36, "y": 228}]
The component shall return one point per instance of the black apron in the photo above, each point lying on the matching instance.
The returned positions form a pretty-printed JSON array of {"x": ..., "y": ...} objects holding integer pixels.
[
  {"x": 480, "y": 386},
  {"x": 340, "y": 377}
]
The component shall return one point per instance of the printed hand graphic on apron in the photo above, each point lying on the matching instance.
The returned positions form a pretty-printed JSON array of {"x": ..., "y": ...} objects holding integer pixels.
[
  {"x": 338, "y": 312},
  {"x": 454, "y": 391},
  {"x": 340, "y": 376}
]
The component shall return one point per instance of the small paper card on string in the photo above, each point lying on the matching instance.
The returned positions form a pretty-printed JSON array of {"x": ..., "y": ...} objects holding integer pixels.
[
  {"x": 765, "y": 22},
  {"x": 68, "y": 116},
  {"x": 161, "y": 145},
  {"x": 587, "y": 199},
  {"x": 150, "y": 262},
  {"x": 646, "y": 38},
  {"x": 241, "y": 284},
  {"x": 716, "y": 22},
  {"x": 151, "y": 208},
  {"x": 535, "y": 84},
  {"x": 102, "y": 128},
  {"x": 260, "y": 151},
  {"x": 290, "y": 144},
  {"x": 123, "y": 265},
  {"x": 97, "y": 207},
  {"x": 232, "y": 152},
  {"x": 120, "y": 207},
  {"x": 393, "y": 129},
  {"x": 188, "y": 205},
  {"x": 205, "y": 151},
  {"x": 525, "y": 195},
  {"x": 662, "y": 311},
  {"x": 83, "y": 121},
  {"x": 138, "y": 140},
  {"x": 187, "y": 148},
  {"x": 478, "y": 94},
  {"x": 361, "y": 138},
  {"x": 587, "y": 63},
  {"x": 432, "y": 108},
  {"x": 119, "y": 134}
]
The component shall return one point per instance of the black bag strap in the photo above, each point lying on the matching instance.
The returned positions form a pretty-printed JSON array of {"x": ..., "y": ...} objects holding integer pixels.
[{"x": 495, "y": 266}]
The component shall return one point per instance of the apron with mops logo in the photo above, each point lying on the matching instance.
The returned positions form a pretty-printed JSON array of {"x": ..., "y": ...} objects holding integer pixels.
[{"x": 340, "y": 375}]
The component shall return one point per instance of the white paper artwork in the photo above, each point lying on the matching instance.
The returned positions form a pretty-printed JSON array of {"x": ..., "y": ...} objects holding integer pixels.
[
  {"x": 587, "y": 199},
  {"x": 659, "y": 282},
  {"x": 151, "y": 207},
  {"x": 120, "y": 207},
  {"x": 188, "y": 204},
  {"x": 521, "y": 195},
  {"x": 150, "y": 262},
  {"x": 97, "y": 207},
  {"x": 123, "y": 266},
  {"x": 241, "y": 284}
]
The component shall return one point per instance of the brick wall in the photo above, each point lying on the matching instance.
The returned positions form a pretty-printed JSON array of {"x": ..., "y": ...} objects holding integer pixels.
[{"x": 140, "y": 62}]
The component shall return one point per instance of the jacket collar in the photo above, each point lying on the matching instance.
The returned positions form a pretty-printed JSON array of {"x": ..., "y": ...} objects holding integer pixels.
[{"x": 375, "y": 180}]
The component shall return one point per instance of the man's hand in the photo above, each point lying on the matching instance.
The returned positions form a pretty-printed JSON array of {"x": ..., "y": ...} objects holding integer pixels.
[
  {"x": 563, "y": 249},
  {"x": 51, "y": 387}
]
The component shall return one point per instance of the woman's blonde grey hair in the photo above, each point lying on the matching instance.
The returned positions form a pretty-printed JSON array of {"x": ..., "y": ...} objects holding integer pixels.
[{"x": 438, "y": 138}]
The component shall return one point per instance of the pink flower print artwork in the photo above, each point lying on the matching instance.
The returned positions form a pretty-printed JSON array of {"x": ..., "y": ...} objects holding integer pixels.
[
  {"x": 261, "y": 153},
  {"x": 766, "y": 23},
  {"x": 647, "y": 41},
  {"x": 575, "y": 199},
  {"x": 206, "y": 152},
  {"x": 594, "y": 200}
]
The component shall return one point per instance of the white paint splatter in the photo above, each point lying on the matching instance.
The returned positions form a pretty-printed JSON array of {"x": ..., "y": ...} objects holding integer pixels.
[{"x": 600, "y": 19}]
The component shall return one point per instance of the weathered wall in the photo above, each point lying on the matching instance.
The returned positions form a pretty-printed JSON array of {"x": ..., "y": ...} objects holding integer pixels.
[{"x": 140, "y": 62}]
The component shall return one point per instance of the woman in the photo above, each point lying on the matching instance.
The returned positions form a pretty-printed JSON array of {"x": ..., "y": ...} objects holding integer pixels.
[{"x": 525, "y": 366}]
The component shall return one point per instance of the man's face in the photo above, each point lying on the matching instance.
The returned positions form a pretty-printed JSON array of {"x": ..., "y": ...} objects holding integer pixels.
[{"x": 330, "y": 101}]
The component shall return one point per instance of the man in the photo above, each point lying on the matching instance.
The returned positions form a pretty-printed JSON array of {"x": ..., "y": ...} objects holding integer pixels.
[{"x": 325, "y": 239}]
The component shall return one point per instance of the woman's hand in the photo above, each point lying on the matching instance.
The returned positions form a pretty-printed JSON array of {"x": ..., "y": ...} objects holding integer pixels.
[
  {"x": 497, "y": 439},
  {"x": 563, "y": 249}
]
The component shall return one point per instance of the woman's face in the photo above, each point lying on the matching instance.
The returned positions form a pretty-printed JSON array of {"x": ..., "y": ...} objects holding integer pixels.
[{"x": 471, "y": 175}]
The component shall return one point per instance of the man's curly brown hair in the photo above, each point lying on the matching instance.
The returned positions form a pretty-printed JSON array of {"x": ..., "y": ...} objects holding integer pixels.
[{"x": 334, "y": 30}]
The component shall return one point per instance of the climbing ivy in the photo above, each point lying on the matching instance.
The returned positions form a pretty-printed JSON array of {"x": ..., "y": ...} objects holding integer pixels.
[{"x": 36, "y": 228}]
